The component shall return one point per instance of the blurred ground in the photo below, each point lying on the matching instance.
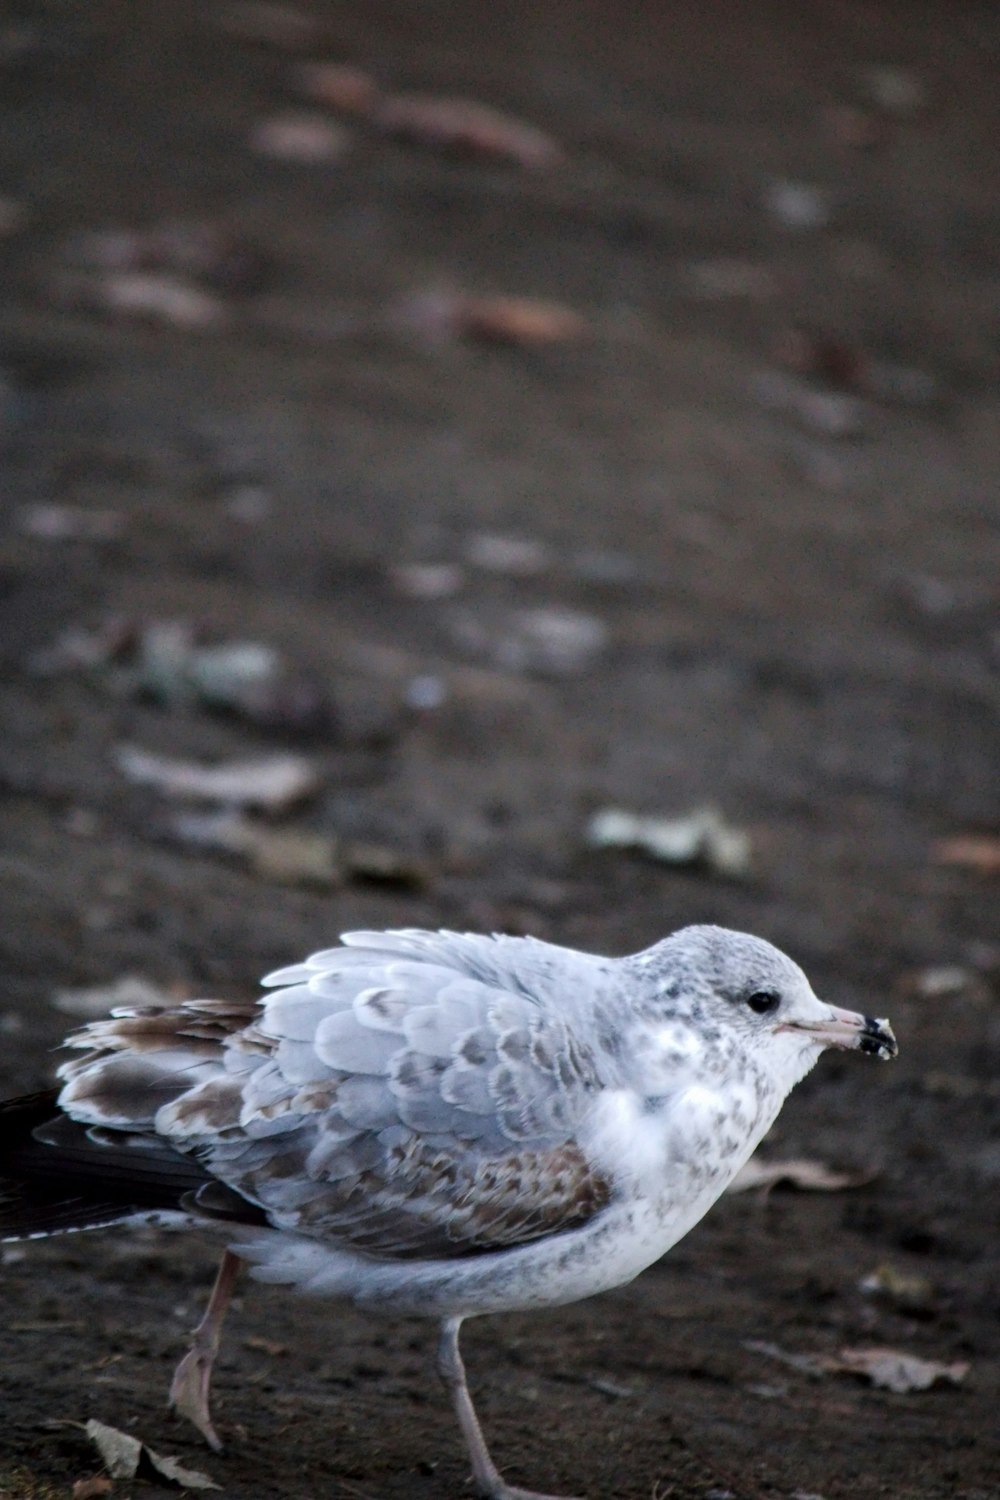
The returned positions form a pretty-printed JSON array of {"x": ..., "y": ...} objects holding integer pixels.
[{"x": 765, "y": 478}]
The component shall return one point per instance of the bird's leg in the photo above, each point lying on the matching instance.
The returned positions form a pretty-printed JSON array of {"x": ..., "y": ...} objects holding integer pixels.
[
  {"x": 189, "y": 1389},
  {"x": 484, "y": 1471}
]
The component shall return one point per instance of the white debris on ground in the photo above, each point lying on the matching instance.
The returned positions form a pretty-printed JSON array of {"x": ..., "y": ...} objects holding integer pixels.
[{"x": 701, "y": 837}]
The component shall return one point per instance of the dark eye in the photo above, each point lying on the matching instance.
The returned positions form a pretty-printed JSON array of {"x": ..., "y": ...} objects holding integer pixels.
[{"x": 763, "y": 1001}]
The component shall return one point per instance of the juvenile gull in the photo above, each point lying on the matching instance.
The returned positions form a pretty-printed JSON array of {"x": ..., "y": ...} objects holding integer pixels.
[{"x": 430, "y": 1123}]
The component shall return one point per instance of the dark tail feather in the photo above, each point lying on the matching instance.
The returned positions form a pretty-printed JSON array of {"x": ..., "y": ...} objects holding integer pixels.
[{"x": 55, "y": 1175}]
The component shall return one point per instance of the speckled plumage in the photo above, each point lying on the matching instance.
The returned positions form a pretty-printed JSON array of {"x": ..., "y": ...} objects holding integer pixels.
[{"x": 450, "y": 1124}]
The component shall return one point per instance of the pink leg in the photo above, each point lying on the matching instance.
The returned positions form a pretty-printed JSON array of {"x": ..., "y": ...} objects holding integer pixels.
[
  {"x": 489, "y": 1483},
  {"x": 189, "y": 1389}
]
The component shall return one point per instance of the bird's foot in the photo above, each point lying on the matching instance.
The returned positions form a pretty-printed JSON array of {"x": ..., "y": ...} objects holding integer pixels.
[{"x": 189, "y": 1391}]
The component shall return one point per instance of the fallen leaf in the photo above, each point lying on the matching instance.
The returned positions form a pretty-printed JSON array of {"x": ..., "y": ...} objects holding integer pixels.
[
  {"x": 701, "y": 837},
  {"x": 548, "y": 640},
  {"x": 518, "y": 320},
  {"x": 911, "y": 1293},
  {"x": 517, "y": 556},
  {"x": 427, "y": 580},
  {"x": 163, "y": 660},
  {"x": 897, "y": 90},
  {"x": 300, "y": 856},
  {"x": 350, "y": 91},
  {"x": 270, "y": 784},
  {"x": 832, "y": 414},
  {"x": 90, "y": 1489},
  {"x": 943, "y": 982},
  {"x": 978, "y": 852},
  {"x": 311, "y": 139},
  {"x": 201, "y": 248},
  {"x": 96, "y": 1000},
  {"x": 160, "y": 297},
  {"x": 799, "y": 1172},
  {"x": 178, "y": 1473},
  {"x": 892, "y": 1370},
  {"x": 466, "y": 126},
  {"x": 293, "y": 856},
  {"x": 608, "y": 1386},
  {"x": 69, "y": 523},
  {"x": 146, "y": 295},
  {"x": 120, "y": 1453},
  {"x": 797, "y": 205},
  {"x": 125, "y": 1457},
  {"x": 290, "y": 856},
  {"x": 526, "y": 321}
]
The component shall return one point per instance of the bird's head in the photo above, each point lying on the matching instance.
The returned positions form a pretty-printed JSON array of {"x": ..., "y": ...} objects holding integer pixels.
[{"x": 746, "y": 989}]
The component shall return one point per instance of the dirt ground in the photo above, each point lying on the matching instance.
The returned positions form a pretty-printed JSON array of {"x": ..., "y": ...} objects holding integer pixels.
[{"x": 762, "y": 479}]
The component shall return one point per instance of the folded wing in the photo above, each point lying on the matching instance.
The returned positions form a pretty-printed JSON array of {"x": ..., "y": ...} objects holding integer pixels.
[{"x": 407, "y": 1094}]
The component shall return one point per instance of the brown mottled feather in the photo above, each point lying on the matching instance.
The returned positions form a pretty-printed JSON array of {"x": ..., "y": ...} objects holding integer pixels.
[{"x": 319, "y": 1106}]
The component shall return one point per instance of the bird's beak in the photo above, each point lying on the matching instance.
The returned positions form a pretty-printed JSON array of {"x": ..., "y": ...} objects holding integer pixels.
[{"x": 846, "y": 1028}]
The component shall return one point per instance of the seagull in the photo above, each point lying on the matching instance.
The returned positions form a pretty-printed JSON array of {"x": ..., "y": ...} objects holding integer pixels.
[{"x": 429, "y": 1123}]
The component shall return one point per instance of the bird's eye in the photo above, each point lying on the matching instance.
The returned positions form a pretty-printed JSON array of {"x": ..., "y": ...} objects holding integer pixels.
[{"x": 761, "y": 1002}]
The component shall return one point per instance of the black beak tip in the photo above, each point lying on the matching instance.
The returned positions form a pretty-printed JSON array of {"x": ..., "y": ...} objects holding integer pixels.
[{"x": 878, "y": 1039}]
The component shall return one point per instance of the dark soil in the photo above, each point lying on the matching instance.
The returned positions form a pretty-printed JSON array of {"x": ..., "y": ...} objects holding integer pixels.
[{"x": 801, "y": 630}]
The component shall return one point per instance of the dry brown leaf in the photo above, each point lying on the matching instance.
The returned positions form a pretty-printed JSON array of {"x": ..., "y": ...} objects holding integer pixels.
[
  {"x": 890, "y": 1369},
  {"x": 528, "y": 321},
  {"x": 91, "y": 1489},
  {"x": 350, "y": 91},
  {"x": 893, "y": 1370},
  {"x": 271, "y": 784},
  {"x": 978, "y": 852},
  {"x": 467, "y": 127},
  {"x": 125, "y": 1456},
  {"x": 518, "y": 320},
  {"x": 799, "y": 1172}
]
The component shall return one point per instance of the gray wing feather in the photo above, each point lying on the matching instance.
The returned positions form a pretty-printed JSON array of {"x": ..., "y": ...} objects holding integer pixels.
[{"x": 408, "y": 1093}]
